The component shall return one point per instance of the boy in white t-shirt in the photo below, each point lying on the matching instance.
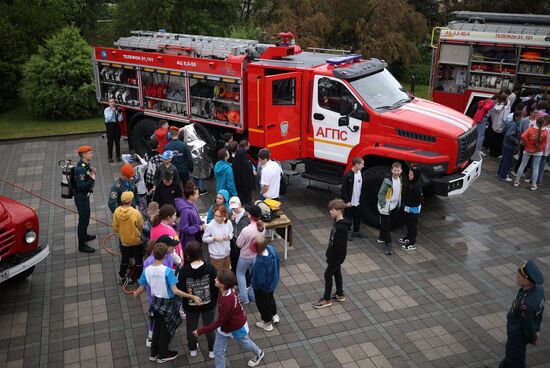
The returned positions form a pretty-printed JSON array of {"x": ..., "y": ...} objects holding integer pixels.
[
  {"x": 162, "y": 281},
  {"x": 270, "y": 180}
]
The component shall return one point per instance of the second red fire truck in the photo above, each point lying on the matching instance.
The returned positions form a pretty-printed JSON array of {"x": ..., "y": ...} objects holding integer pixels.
[{"x": 317, "y": 107}]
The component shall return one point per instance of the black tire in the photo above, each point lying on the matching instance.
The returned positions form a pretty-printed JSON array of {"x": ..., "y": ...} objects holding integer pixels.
[
  {"x": 373, "y": 180},
  {"x": 141, "y": 133},
  {"x": 23, "y": 275}
]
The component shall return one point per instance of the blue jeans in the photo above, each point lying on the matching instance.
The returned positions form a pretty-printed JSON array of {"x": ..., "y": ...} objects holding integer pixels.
[
  {"x": 505, "y": 162},
  {"x": 481, "y": 133},
  {"x": 534, "y": 167},
  {"x": 542, "y": 165},
  {"x": 243, "y": 265},
  {"x": 221, "y": 345}
]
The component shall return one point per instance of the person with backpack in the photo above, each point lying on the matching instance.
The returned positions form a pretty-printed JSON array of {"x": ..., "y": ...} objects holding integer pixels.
[
  {"x": 389, "y": 202},
  {"x": 182, "y": 159},
  {"x": 167, "y": 191},
  {"x": 84, "y": 181},
  {"x": 535, "y": 139},
  {"x": 123, "y": 184}
]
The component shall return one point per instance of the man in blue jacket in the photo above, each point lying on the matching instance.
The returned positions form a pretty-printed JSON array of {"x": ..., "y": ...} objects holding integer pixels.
[{"x": 181, "y": 158}]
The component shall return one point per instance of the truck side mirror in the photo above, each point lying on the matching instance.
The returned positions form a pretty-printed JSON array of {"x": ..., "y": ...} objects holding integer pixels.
[
  {"x": 343, "y": 121},
  {"x": 361, "y": 115}
]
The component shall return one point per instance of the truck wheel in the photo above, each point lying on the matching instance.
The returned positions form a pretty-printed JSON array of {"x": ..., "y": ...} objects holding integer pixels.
[
  {"x": 374, "y": 177},
  {"x": 23, "y": 275},
  {"x": 141, "y": 133}
]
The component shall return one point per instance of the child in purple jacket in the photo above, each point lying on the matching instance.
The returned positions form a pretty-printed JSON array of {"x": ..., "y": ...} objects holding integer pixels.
[{"x": 191, "y": 226}]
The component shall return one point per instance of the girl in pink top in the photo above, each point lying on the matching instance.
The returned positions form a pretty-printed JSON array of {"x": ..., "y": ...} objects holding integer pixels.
[
  {"x": 248, "y": 255},
  {"x": 163, "y": 224}
]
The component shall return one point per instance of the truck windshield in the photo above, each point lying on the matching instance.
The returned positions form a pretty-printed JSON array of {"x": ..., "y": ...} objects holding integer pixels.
[{"x": 381, "y": 91}]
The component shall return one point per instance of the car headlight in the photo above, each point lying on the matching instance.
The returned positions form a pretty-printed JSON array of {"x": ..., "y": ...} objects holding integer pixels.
[{"x": 30, "y": 237}]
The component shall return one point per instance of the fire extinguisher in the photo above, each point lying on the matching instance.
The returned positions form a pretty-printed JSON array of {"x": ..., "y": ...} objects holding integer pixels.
[{"x": 67, "y": 179}]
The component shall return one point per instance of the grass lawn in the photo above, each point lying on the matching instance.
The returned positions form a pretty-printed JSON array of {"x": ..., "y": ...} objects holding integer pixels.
[
  {"x": 421, "y": 90},
  {"x": 19, "y": 123}
]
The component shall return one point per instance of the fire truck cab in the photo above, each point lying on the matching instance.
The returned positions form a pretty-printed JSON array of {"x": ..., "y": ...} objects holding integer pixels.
[{"x": 318, "y": 107}]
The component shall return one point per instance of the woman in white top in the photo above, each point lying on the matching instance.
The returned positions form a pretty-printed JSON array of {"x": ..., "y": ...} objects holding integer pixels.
[{"x": 218, "y": 235}]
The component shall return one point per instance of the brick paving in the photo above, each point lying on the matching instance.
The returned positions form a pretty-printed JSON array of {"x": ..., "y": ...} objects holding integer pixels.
[{"x": 443, "y": 305}]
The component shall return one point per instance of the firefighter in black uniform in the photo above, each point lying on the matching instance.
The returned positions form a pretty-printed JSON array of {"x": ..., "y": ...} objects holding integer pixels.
[
  {"x": 525, "y": 316},
  {"x": 84, "y": 176}
]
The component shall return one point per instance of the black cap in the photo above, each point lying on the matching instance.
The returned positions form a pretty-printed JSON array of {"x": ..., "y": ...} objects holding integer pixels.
[
  {"x": 167, "y": 240},
  {"x": 253, "y": 210},
  {"x": 531, "y": 270},
  {"x": 168, "y": 175}
]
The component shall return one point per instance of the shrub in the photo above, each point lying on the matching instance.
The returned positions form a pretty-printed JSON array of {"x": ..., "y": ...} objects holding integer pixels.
[{"x": 58, "y": 80}]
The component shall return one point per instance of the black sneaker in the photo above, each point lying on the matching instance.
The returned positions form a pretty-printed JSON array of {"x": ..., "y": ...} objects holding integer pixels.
[
  {"x": 404, "y": 240},
  {"x": 110, "y": 160},
  {"x": 379, "y": 240},
  {"x": 256, "y": 359},
  {"x": 121, "y": 280},
  {"x": 118, "y": 159},
  {"x": 170, "y": 356},
  {"x": 338, "y": 298},
  {"x": 203, "y": 192},
  {"x": 408, "y": 247}
]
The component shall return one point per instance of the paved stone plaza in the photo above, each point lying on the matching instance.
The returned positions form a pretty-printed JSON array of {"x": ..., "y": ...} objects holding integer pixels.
[{"x": 443, "y": 305}]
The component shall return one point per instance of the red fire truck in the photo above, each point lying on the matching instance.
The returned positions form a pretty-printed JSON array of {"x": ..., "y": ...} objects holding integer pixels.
[
  {"x": 480, "y": 54},
  {"x": 316, "y": 106},
  {"x": 20, "y": 248}
]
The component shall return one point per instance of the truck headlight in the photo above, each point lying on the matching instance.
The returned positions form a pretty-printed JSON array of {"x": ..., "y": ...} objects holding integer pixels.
[{"x": 30, "y": 237}]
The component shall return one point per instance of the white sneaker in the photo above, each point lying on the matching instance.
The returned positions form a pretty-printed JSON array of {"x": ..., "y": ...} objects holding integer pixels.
[
  {"x": 507, "y": 179},
  {"x": 265, "y": 326},
  {"x": 276, "y": 318},
  {"x": 482, "y": 153},
  {"x": 148, "y": 342},
  {"x": 193, "y": 353},
  {"x": 211, "y": 355},
  {"x": 182, "y": 314}
]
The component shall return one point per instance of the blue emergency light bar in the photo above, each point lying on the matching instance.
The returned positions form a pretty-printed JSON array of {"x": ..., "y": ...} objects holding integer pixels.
[{"x": 343, "y": 59}]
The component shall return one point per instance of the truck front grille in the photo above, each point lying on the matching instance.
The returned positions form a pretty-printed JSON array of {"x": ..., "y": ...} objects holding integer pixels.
[
  {"x": 466, "y": 145},
  {"x": 7, "y": 239}
]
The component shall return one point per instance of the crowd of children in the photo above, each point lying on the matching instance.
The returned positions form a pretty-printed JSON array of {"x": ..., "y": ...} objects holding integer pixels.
[{"x": 193, "y": 265}]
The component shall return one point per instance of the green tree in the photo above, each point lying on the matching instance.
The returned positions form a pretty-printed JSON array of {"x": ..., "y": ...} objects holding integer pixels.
[
  {"x": 24, "y": 24},
  {"x": 202, "y": 17},
  {"x": 58, "y": 80}
]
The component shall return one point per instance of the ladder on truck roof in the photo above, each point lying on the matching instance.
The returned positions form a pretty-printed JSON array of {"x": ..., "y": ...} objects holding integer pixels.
[{"x": 197, "y": 46}]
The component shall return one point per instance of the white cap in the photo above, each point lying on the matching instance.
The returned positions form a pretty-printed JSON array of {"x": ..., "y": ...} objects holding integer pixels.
[{"x": 234, "y": 202}]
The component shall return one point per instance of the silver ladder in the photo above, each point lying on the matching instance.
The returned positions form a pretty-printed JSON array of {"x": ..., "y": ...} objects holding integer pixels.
[{"x": 197, "y": 46}]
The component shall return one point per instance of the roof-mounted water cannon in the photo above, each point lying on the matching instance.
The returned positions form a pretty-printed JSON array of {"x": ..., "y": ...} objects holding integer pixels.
[
  {"x": 286, "y": 39},
  {"x": 286, "y": 46}
]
